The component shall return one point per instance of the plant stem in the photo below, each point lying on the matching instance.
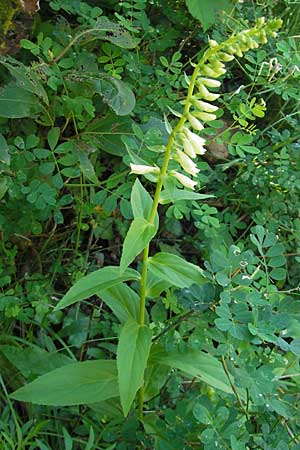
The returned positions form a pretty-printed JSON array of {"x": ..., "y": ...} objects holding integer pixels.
[{"x": 154, "y": 208}]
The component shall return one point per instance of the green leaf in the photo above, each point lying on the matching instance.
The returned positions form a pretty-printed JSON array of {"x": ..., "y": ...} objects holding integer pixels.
[
  {"x": 132, "y": 356},
  {"x": 26, "y": 77},
  {"x": 53, "y": 137},
  {"x": 16, "y": 102},
  {"x": 196, "y": 364},
  {"x": 122, "y": 300},
  {"x": 205, "y": 10},
  {"x": 139, "y": 235},
  {"x": 116, "y": 94},
  {"x": 278, "y": 274},
  {"x": 175, "y": 270},
  {"x": 106, "y": 133},
  {"x": 4, "y": 151},
  {"x": 95, "y": 282},
  {"x": 3, "y": 187},
  {"x": 141, "y": 202},
  {"x": 86, "y": 166},
  {"x": 74, "y": 384},
  {"x": 115, "y": 33},
  {"x": 34, "y": 360}
]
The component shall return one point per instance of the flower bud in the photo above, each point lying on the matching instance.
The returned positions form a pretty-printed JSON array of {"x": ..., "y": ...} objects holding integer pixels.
[
  {"x": 184, "y": 180},
  {"x": 196, "y": 141},
  {"x": 210, "y": 82},
  {"x": 210, "y": 72},
  {"x": 225, "y": 56},
  {"x": 196, "y": 124},
  {"x": 212, "y": 43},
  {"x": 204, "y": 92},
  {"x": 186, "y": 163},
  {"x": 206, "y": 117},
  {"x": 141, "y": 169},
  {"x": 204, "y": 106},
  {"x": 187, "y": 146}
]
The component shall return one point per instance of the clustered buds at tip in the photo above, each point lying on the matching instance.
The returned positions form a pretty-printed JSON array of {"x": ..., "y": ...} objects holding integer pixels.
[
  {"x": 186, "y": 163},
  {"x": 141, "y": 169},
  {"x": 183, "y": 179}
]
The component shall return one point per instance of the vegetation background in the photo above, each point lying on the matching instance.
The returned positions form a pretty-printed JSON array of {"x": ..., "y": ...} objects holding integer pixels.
[{"x": 79, "y": 101}]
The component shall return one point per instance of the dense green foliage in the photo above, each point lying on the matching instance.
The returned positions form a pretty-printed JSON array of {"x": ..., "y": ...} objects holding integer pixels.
[{"x": 93, "y": 93}]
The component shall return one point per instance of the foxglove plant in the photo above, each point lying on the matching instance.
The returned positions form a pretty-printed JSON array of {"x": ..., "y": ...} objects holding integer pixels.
[{"x": 137, "y": 354}]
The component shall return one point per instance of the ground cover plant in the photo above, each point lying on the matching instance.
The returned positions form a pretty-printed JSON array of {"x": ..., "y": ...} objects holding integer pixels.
[{"x": 149, "y": 221}]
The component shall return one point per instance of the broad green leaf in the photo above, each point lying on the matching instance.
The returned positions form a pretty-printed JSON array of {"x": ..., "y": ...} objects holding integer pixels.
[
  {"x": 278, "y": 274},
  {"x": 106, "y": 133},
  {"x": 3, "y": 187},
  {"x": 132, "y": 356},
  {"x": 116, "y": 94},
  {"x": 26, "y": 77},
  {"x": 122, "y": 300},
  {"x": 16, "y": 102},
  {"x": 141, "y": 202},
  {"x": 86, "y": 166},
  {"x": 180, "y": 194},
  {"x": 75, "y": 384},
  {"x": 34, "y": 360},
  {"x": 139, "y": 235},
  {"x": 205, "y": 10},
  {"x": 95, "y": 282},
  {"x": 4, "y": 151},
  {"x": 115, "y": 33},
  {"x": 175, "y": 270},
  {"x": 155, "y": 378},
  {"x": 196, "y": 364}
]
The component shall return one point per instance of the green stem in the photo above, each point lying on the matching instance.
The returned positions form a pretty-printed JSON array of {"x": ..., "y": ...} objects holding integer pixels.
[{"x": 154, "y": 208}]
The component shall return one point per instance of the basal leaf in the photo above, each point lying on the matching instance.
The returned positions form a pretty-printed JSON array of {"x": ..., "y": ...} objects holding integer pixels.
[
  {"x": 175, "y": 270},
  {"x": 139, "y": 235},
  {"x": 95, "y": 282},
  {"x": 132, "y": 356},
  {"x": 74, "y": 384}
]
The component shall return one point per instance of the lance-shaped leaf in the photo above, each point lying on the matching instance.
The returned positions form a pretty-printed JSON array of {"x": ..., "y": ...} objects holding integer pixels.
[
  {"x": 175, "y": 270},
  {"x": 94, "y": 282},
  {"x": 141, "y": 202},
  {"x": 196, "y": 364},
  {"x": 139, "y": 235},
  {"x": 132, "y": 356},
  {"x": 75, "y": 384}
]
